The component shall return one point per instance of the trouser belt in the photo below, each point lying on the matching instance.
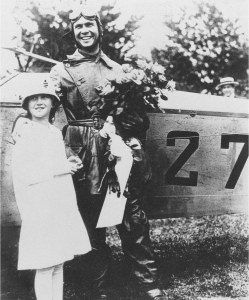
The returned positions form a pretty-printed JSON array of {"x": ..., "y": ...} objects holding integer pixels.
[
  {"x": 96, "y": 123},
  {"x": 85, "y": 122}
]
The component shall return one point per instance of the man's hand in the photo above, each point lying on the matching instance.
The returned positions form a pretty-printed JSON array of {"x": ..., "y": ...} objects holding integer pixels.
[
  {"x": 131, "y": 121},
  {"x": 110, "y": 179}
]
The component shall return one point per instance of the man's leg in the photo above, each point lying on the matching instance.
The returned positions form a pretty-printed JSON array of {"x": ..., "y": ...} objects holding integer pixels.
[
  {"x": 136, "y": 243},
  {"x": 91, "y": 148},
  {"x": 99, "y": 258},
  {"x": 134, "y": 235}
]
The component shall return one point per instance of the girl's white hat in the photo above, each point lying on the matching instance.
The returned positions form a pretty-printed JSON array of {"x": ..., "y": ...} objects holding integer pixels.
[{"x": 38, "y": 87}]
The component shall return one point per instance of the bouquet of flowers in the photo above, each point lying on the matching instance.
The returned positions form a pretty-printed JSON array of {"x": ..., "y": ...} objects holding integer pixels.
[
  {"x": 136, "y": 83},
  {"x": 128, "y": 91}
]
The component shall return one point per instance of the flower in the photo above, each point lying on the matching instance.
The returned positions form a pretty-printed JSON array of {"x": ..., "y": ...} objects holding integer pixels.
[
  {"x": 157, "y": 69},
  {"x": 161, "y": 78},
  {"x": 135, "y": 82},
  {"x": 171, "y": 85},
  {"x": 141, "y": 64},
  {"x": 122, "y": 77},
  {"x": 127, "y": 68},
  {"x": 137, "y": 76}
]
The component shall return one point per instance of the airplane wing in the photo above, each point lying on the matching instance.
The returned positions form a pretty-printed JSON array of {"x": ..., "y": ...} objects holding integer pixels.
[{"x": 31, "y": 54}]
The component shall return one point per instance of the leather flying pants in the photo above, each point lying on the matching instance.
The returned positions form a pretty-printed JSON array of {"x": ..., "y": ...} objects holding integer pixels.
[
  {"x": 133, "y": 232},
  {"x": 134, "y": 235}
]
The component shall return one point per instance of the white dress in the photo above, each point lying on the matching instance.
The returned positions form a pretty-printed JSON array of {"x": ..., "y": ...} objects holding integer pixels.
[{"x": 52, "y": 230}]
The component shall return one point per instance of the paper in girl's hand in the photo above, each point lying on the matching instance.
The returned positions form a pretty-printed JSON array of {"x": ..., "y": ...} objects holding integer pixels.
[{"x": 112, "y": 212}]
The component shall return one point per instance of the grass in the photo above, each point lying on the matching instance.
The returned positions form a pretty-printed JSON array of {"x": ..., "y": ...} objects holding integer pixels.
[{"x": 198, "y": 258}]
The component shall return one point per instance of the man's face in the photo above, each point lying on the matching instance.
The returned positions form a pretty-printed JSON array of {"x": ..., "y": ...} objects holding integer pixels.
[
  {"x": 228, "y": 90},
  {"x": 86, "y": 32}
]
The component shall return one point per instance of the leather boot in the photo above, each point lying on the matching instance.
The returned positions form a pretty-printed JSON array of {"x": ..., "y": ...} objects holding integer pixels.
[
  {"x": 156, "y": 294},
  {"x": 101, "y": 296}
]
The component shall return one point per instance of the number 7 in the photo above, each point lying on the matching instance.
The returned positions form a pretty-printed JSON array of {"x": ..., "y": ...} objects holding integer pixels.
[{"x": 242, "y": 158}]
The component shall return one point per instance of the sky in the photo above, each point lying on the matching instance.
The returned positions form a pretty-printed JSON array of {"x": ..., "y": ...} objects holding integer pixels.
[{"x": 150, "y": 33}]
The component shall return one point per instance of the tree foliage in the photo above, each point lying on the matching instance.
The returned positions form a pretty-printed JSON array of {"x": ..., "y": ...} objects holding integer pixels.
[
  {"x": 117, "y": 42},
  {"x": 47, "y": 39},
  {"x": 202, "y": 48}
]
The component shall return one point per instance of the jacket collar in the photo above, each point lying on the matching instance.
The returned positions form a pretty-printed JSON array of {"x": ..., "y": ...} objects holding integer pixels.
[{"x": 77, "y": 57}]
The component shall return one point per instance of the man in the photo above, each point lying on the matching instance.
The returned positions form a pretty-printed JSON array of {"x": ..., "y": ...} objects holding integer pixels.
[
  {"x": 77, "y": 78},
  {"x": 227, "y": 87}
]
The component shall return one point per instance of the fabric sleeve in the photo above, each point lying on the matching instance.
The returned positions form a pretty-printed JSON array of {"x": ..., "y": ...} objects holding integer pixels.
[
  {"x": 28, "y": 166},
  {"x": 55, "y": 77},
  {"x": 18, "y": 126},
  {"x": 60, "y": 162}
]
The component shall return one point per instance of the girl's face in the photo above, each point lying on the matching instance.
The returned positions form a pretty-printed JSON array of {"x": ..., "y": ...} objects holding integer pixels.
[{"x": 40, "y": 106}]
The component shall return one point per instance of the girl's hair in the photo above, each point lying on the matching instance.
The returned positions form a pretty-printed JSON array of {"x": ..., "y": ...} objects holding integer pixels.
[{"x": 29, "y": 116}]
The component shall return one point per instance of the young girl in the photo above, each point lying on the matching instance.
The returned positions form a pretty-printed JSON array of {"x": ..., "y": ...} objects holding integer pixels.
[{"x": 52, "y": 230}]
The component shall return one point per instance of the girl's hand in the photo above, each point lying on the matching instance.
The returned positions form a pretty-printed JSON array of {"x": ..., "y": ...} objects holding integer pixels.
[{"x": 75, "y": 164}]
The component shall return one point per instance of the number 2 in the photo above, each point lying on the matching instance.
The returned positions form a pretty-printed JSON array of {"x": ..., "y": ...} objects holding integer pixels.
[{"x": 170, "y": 177}]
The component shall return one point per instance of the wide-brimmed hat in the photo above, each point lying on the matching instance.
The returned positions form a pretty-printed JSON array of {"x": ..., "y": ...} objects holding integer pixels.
[
  {"x": 225, "y": 81},
  {"x": 37, "y": 87}
]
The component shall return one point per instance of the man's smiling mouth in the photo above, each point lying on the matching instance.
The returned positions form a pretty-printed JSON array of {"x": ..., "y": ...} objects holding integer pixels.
[{"x": 85, "y": 38}]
